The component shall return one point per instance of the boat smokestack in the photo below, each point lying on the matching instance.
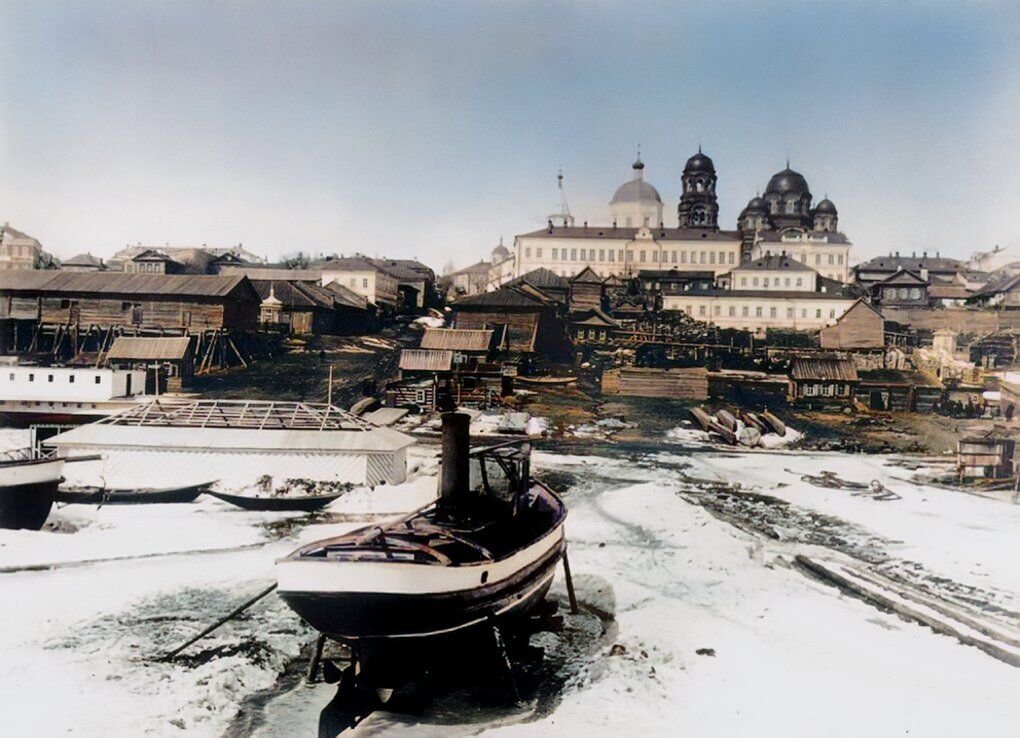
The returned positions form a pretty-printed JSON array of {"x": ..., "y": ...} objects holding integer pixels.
[{"x": 454, "y": 473}]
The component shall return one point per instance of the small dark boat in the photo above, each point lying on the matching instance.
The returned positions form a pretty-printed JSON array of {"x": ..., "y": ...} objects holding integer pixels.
[
  {"x": 28, "y": 483},
  {"x": 726, "y": 420},
  {"x": 136, "y": 496},
  {"x": 752, "y": 420},
  {"x": 483, "y": 555},
  {"x": 282, "y": 503},
  {"x": 701, "y": 418},
  {"x": 775, "y": 425},
  {"x": 539, "y": 381}
]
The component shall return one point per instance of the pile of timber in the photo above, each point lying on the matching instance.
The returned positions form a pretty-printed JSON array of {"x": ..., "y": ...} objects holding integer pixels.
[{"x": 676, "y": 384}]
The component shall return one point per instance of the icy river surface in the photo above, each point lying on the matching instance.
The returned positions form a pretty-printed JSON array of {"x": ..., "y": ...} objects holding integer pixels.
[{"x": 737, "y": 595}]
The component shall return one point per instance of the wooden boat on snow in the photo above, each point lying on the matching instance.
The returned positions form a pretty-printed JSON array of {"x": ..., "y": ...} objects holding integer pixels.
[
  {"x": 28, "y": 483},
  {"x": 484, "y": 554},
  {"x": 144, "y": 495},
  {"x": 281, "y": 503},
  {"x": 539, "y": 381},
  {"x": 775, "y": 425},
  {"x": 727, "y": 420},
  {"x": 702, "y": 418},
  {"x": 750, "y": 419}
]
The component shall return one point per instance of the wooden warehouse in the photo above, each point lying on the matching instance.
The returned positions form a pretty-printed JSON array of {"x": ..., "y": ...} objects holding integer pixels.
[
  {"x": 69, "y": 313},
  {"x": 860, "y": 327},
  {"x": 294, "y": 306},
  {"x": 527, "y": 320}
]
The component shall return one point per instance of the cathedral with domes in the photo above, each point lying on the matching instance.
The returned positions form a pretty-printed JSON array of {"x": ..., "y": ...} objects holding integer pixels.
[{"x": 782, "y": 220}]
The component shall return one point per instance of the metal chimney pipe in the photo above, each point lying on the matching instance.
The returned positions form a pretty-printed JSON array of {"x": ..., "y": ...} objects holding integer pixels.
[{"x": 454, "y": 471}]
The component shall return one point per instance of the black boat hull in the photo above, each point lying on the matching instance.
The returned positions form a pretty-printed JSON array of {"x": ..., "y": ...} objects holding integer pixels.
[
  {"x": 97, "y": 496},
  {"x": 376, "y": 616},
  {"x": 306, "y": 503},
  {"x": 27, "y": 505}
]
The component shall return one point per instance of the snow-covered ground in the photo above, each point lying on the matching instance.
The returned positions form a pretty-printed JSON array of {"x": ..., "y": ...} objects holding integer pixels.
[{"x": 790, "y": 656}]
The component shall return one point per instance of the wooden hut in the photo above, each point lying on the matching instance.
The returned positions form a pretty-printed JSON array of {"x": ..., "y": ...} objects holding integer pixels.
[
  {"x": 586, "y": 292},
  {"x": 526, "y": 320},
  {"x": 819, "y": 381},
  {"x": 987, "y": 457},
  {"x": 168, "y": 362}
]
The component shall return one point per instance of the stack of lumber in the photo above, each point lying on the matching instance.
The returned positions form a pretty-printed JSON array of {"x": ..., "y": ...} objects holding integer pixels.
[{"x": 676, "y": 384}]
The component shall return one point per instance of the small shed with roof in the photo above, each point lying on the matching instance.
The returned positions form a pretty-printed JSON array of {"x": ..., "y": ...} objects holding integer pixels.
[
  {"x": 819, "y": 381},
  {"x": 168, "y": 361}
]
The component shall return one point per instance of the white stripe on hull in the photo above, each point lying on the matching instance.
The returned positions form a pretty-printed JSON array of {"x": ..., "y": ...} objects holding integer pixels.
[
  {"x": 21, "y": 474},
  {"x": 405, "y": 577},
  {"x": 543, "y": 581}
]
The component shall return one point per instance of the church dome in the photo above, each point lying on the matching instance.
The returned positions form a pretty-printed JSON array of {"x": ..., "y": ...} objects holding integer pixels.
[
  {"x": 637, "y": 190},
  {"x": 826, "y": 207},
  {"x": 500, "y": 253},
  {"x": 699, "y": 164},
  {"x": 757, "y": 204},
  {"x": 787, "y": 181}
]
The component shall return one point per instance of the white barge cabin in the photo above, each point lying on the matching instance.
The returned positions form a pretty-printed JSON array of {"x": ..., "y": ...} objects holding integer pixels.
[
  {"x": 168, "y": 441},
  {"x": 53, "y": 394}
]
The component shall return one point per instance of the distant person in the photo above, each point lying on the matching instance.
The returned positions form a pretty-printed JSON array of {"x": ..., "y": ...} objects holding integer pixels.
[{"x": 1009, "y": 412}]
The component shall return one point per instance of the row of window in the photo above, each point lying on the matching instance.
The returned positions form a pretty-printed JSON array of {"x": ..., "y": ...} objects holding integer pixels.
[
  {"x": 655, "y": 256},
  {"x": 826, "y": 390},
  {"x": 902, "y": 293},
  {"x": 49, "y": 378},
  {"x": 759, "y": 312},
  {"x": 775, "y": 282},
  {"x": 364, "y": 282}
]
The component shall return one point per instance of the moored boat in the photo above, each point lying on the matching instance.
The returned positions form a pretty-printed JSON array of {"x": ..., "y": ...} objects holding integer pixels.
[
  {"x": 539, "y": 381},
  {"x": 282, "y": 503},
  {"x": 484, "y": 553},
  {"x": 142, "y": 495},
  {"x": 28, "y": 483}
]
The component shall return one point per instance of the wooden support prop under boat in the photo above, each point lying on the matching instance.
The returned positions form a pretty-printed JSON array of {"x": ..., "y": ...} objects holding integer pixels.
[{"x": 229, "y": 616}]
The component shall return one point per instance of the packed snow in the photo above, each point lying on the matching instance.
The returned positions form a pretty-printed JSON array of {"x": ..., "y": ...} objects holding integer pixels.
[{"x": 712, "y": 633}]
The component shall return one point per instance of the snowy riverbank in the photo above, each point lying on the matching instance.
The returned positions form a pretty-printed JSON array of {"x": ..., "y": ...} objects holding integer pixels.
[{"x": 788, "y": 655}]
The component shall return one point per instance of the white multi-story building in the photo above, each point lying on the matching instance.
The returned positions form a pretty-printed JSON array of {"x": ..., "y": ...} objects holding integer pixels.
[
  {"x": 566, "y": 250},
  {"x": 18, "y": 250},
  {"x": 774, "y": 291},
  {"x": 759, "y": 310},
  {"x": 363, "y": 276}
]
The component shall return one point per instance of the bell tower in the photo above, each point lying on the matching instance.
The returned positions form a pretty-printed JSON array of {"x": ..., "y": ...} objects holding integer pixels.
[{"x": 698, "y": 204}]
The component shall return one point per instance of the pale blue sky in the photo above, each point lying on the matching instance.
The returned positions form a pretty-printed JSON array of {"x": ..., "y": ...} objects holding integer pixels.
[{"x": 430, "y": 129}]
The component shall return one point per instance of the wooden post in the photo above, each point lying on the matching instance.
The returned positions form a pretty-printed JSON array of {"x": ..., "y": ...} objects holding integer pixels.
[
  {"x": 232, "y": 614},
  {"x": 313, "y": 665},
  {"x": 329, "y": 387},
  {"x": 570, "y": 584}
]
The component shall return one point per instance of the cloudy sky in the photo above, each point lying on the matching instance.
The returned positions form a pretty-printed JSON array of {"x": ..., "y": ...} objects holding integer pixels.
[{"x": 430, "y": 129}]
